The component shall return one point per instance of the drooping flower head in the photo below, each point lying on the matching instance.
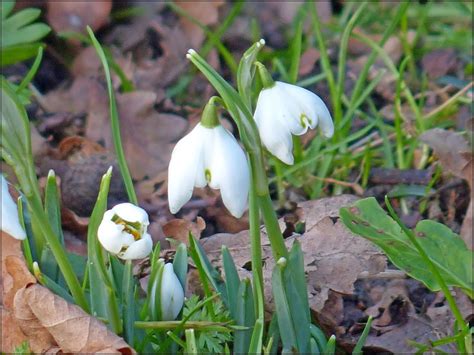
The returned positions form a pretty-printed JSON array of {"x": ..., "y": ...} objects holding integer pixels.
[
  {"x": 209, "y": 155},
  {"x": 10, "y": 221},
  {"x": 123, "y": 232},
  {"x": 285, "y": 109}
]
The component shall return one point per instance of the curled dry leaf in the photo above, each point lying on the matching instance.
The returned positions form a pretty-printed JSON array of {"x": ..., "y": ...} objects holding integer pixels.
[
  {"x": 15, "y": 275},
  {"x": 50, "y": 321},
  {"x": 179, "y": 229},
  {"x": 34, "y": 314}
]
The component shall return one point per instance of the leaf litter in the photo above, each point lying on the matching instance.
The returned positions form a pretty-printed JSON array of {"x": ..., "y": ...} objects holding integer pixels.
[{"x": 151, "y": 52}]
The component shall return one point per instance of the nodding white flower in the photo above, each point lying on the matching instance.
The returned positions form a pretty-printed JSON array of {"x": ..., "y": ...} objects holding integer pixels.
[
  {"x": 171, "y": 294},
  {"x": 123, "y": 232},
  {"x": 285, "y": 109},
  {"x": 10, "y": 221},
  {"x": 209, "y": 155}
]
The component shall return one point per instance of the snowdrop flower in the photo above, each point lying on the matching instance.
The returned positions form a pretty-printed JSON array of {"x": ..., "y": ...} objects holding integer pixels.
[
  {"x": 285, "y": 109},
  {"x": 123, "y": 232},
  {"x": 171, "y": 294},
  {"x": 10, "y": 222},
  {"x": 209, "y": 155}
]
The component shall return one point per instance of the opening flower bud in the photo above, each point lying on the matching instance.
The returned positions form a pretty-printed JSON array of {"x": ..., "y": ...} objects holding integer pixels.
[{"x": 123, "y": 232}]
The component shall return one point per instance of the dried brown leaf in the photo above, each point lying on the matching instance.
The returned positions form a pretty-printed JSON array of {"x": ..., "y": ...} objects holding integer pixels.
[
  {"x": 329, "y": 249},
  {"x": 76, "y": 15},
  {"x": 50, "y": 321},
  {"x": 456, "y": 157},
  {"x": 206, "y": 12},
  {"x": 179, "y": 229},
  {"x": 439, "y": 62}
]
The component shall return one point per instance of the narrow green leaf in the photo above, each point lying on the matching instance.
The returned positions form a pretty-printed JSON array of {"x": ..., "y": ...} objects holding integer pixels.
[
  {"x": 245, "y": 317},
  {"x": 103, "y": 296},
  {"x": 32, "y": 72},
  {"x": 255, "y": 346},
  {"x": 285, "y": 323},
  {"x": 114, "y": 121},
  {"x": 51, "y": 205},
  {"x": 295, "y": 53},
  {"x": 180, "y": 264},
  {"x": 330, "y": 346},
  {"x": 203, "y": 264},
  {"x": 314, "y": 346},
  {"x": 18, "y": 53},
  {"x": 28, "y": 34},
  {"x": 318, "y": 335},
  {"x": 363, "y": 337},
  {"x": 297, "y": 296},
  {"x": 232, "y": 280},
  {"x": 7, "y": 7},
  {"x": 51, "y": 284},
  {"x": 445, "y": 248},
  {"x": 128, "y": 303},
  {"x": 409, "y": 190},
  {"x": 246, "y": 72},
  {"x": 20, "y": 19},
  {"x": 273, "y": 335}
]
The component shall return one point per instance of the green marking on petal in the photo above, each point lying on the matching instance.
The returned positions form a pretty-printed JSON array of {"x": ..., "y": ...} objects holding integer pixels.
[
  {"x": 133, "y": 228},
  {"x": 305, "y": 120},
  {"x": 208, "y": 175}
]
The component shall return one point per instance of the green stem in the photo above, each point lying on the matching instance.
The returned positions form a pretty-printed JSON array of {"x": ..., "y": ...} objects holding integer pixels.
[
  {"x": 461, "y": 324},
  {"x": 128, "y": 309},
  {"x": 255, "y": 243},
  {"x": 273, "y": 228}
]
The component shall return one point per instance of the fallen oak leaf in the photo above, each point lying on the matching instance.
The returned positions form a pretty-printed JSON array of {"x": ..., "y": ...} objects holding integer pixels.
[{"x": 48, "y": 319}]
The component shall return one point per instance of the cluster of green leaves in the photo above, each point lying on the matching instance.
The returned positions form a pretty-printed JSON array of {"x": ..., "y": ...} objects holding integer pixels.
[
  {"x": 431, "y": 253},
  {"x": 209, "y": 341},
  {"x": 20, "y": 35}
]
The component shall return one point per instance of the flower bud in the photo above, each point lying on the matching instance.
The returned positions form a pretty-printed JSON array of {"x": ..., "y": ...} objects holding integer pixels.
[
  {"x": 165, "y": 292},
  {"x": 123, "y": 232},
  {"x": 171, "y": 294}
]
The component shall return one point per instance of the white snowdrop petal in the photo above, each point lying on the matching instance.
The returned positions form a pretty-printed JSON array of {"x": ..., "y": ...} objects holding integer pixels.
[
  {"x": 230, "y": 172},
  {"x": 182, "y": 170},
  {"x": 206, "y": 137},
  {"x": 316, "y": 107},
  {"x": 274, "y": 134},
  {"x": 110, "y": 236},
  {"x": 131, "y": 213},
  {"x": 10, "y": 221},
  {"x": 172, "y": 294},
  {"x": 138, "y": 249},
  {"x": 295, "y": 116}
]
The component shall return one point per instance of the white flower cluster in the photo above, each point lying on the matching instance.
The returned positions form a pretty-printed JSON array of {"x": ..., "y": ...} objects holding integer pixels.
[{"x": 210, "y": 155}]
